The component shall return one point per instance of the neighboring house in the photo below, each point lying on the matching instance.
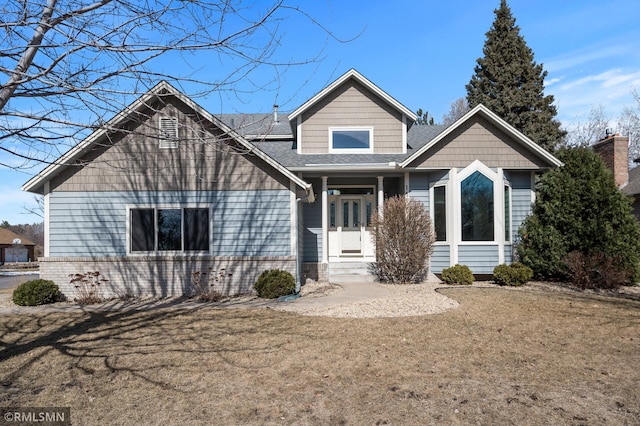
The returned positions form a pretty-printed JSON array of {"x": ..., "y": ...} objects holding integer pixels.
[
  {"x": 180, "y": 190},
  {"x": 14, "y": 248},
  {"x": 614, "y": 150}
]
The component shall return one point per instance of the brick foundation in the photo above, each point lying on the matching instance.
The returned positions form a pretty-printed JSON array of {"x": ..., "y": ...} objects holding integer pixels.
[{"x": 162, "y": 276}]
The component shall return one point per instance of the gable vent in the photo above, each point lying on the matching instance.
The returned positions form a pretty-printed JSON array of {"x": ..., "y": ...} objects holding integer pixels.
[{"x": 168, "y": 133}]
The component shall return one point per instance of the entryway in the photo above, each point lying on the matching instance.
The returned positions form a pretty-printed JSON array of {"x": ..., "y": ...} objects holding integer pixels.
[{"x": 350, "y": 211}]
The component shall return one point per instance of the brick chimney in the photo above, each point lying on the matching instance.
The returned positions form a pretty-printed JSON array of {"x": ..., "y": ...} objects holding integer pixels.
[{"x": 614, "y": 150}]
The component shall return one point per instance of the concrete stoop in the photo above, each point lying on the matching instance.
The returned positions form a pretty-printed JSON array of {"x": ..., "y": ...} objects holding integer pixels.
[
  {"x": 358, "y": 272},
  {"x": 350, "y": 272}
]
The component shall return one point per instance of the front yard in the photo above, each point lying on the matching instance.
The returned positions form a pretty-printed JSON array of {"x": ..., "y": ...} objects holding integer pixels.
[{"x": 502, "y": 357}]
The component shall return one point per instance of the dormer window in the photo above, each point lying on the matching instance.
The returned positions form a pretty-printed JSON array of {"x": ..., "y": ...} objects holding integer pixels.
[
  {"x": 168, "y": 132},
  {"x": 354, "y": 140}
]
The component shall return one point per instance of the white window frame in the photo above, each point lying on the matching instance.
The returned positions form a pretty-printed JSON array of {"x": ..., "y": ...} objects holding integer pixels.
[
  {"x": 498, "y": 195},
  {"x": 155, "y": 208},
  {"x": 351, "y": 150},
  {"x": 432, "y": 209},
  {"x": 509, "y": 240},
  {"x": 168, "y": 133}
]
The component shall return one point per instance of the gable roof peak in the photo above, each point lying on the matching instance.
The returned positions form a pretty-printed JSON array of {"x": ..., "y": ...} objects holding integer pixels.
[{"x": 355, "y": 75}]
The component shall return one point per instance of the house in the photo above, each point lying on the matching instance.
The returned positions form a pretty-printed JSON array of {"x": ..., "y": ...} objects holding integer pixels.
[
  {"x": 614, "y": 151},
  {"x": 14, "y": 248},
  {"x": 167, "y": 189}
]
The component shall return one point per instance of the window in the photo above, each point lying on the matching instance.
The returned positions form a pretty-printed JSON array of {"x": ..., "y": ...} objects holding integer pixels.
[
  {"x": 440, "y": 212},
  {"x": 168, "y": 132},
  {"x": 507, "y": 213},
  {"x": 354, "y": 140},
  {"x": 170, "y": 229},
  {"x": 477, "y": 208}
]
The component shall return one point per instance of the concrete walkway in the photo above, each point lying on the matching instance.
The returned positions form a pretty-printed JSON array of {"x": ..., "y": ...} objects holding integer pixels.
[{"x": 350, "y": 292}]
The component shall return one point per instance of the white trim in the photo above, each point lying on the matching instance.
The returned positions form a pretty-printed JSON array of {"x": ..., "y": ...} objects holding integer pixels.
[
  {"x": 432, "y": 207},
  {"x": 454, "y": 218},
  {"x": 497, "y": 179},
  {"x": 498, "y": 219},
  {"x": 533, "y": 189},
  {"x": 47, "y": 214},
  {"x": 293, "y": 204},
  {"x": 299, "y": 134},
  {"x": 352, "y": 73},
  {"x": 404, "y": 134},
  {"x": 167, "y": 206},
  {"x": 492, "y": 117},
  {"x": 380, "y": 193},
  {"x": 325, "y": 221},
  {"x": 333, "y": 150},
  {"x": 407, "y": 183}
]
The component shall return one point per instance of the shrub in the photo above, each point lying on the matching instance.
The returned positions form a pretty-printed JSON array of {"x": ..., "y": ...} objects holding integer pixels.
[
  {"x": 579, "y": 208},
  {"x": 458, "y": 274},
  {"x": 36, "y": 292},
  {"x": 403, "y": 236},
  {"x": 88, "y": 287},
  {"x": 274, "y": 283},
  {"x": 204, "y": 286},
  {"x": 596, "y": 271},
  {"x": 515, "y": 274}
]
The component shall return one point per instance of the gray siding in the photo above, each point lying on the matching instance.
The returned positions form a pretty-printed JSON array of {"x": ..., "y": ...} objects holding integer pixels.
[
  {"x": 419, "y": 187},
  {"x": 440, "y": 259},
  {"x": 312, "y": 238},
  {"x": 508, "y": 254},
  {"x": 479, "y": 139},
  {"x": 520, "y": 199},
  {"x": 205, "y": 159},
  {"x": 480, "y": 258},
  {"x": 245, "y": 223},
  {"x": 352, "y": 104}
]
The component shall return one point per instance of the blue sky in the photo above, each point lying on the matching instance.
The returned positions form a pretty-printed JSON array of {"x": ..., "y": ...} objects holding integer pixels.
[{"x": 423, "y": 52}]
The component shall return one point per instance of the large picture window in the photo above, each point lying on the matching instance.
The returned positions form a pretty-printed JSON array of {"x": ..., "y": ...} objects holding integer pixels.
[
  {"x": 477, "y": 208},
  {"x": 351, "y": 140},
  {"x": 170, "y": 229}
]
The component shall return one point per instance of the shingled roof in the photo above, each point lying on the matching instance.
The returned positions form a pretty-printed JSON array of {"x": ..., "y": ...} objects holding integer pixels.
[{"x": 7, "y": 237}]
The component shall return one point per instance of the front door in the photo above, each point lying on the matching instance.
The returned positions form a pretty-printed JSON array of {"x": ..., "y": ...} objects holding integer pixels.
[
  {"x": 352, "y": 225},
  {"x": 350, "y": 211}
]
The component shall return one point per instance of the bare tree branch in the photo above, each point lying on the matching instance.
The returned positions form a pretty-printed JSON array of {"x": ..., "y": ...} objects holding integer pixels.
[{"x": 69, "y": 66}]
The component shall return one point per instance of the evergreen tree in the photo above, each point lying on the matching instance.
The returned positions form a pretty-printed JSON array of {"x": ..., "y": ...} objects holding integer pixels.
[
  {"x": 508, "y": 81},
  {"x": 423, "y": 118},
  {"x": 579, "y": 209}
]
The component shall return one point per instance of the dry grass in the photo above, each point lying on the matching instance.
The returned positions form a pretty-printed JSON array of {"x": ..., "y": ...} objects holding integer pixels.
[{"x": 503, "y": 357}]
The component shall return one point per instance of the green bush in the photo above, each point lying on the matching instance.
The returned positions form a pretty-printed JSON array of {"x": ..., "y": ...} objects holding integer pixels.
[
  {"x": 36, "y": 292},
  {"x": 515, "y": 274},
  {"x": 579, "y": 208},
  {"x": 274, "y": 283},
  {"x": 458, "y": 274}
]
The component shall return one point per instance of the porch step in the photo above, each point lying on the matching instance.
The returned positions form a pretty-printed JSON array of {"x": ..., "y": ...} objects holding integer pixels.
[{"x": 350, "y": 272}]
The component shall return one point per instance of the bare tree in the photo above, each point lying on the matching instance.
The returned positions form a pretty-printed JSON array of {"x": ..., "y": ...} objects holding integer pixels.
[
  {"x": 457, "y": 109},
  {"x": 629, "y": 125},
  {"x": 68, "y": 66},
  {"x": 586, "y": 133}
]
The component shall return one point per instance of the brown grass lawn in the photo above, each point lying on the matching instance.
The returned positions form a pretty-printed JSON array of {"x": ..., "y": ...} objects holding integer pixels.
[{"x": 503, "y": 357}]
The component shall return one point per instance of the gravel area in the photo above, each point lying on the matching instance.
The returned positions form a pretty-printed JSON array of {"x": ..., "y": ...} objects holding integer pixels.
[{"x": 403, "y": 300}]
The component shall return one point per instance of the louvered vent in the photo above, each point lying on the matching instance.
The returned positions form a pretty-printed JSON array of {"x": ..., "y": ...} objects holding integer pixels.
[{"x": 168, "y": 133}]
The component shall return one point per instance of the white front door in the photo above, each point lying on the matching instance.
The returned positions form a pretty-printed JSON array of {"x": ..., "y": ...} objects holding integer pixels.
[
  {"x": 352, "y": 226},
  {"x": 349, "y": 232}
]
